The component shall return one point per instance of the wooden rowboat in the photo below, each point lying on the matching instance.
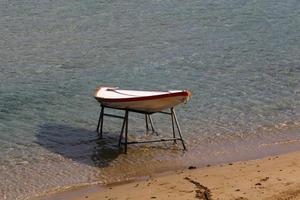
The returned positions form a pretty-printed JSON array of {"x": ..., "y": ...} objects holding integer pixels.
[{"x": 143, "y": 101}]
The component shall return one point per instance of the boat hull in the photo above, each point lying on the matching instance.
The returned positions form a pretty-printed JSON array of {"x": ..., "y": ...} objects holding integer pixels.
[
  {"x": 150, "y": 104},
  {"x": 154, "y": 105}
]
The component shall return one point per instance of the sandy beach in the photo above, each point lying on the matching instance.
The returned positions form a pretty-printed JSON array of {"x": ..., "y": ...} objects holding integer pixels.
[
  {"x": 239, "y": 59},
  {"x": 270, "y": 178}
]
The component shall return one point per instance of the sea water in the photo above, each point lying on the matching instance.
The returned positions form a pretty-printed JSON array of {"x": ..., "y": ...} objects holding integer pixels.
[{"x": 240, "y": 59}]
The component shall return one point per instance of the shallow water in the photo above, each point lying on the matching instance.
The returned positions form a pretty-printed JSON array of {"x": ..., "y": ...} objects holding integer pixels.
[{"x": 240, "y": 60}]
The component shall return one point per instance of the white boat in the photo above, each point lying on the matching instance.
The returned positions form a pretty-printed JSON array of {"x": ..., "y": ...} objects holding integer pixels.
[{"x": 143, "y": 101}]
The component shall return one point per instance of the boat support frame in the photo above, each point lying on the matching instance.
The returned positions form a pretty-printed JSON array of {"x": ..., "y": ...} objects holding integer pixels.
[{"x": 123, "y": 139}]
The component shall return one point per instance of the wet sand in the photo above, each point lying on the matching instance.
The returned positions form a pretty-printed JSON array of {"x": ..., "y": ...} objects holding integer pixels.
[{"x": 270, "y": 178}]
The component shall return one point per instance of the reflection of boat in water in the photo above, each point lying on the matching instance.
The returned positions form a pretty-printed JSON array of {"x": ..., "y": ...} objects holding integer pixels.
[{"x": 143, "y": 101}]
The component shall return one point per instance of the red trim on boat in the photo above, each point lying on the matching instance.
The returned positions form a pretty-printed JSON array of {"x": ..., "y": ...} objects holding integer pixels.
[{"x": 183, "y": 93}]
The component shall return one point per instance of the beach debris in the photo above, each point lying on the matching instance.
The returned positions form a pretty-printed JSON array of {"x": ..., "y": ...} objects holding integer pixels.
[
  {"x": 288, "y": 183},
  {"x": 153, "y": 197},
  {"x": 202, "y": 192},
  {"x": 186, "y": 191},
  {"x": 163, "y": 183},
  {"x": 265, "y": 179},
  {"x": 230, "y": 164},
  {"x": 192, "y": 167},
  {"x": 257, "y": 183}
]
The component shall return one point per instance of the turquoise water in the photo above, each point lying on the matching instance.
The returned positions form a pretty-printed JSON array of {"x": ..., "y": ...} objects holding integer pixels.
[{"x": 239, "y": 58}]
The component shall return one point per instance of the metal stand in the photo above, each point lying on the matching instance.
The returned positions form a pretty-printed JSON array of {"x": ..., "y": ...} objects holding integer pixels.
[
  {"x": 100, "y": 121},
  {"x": 148, "y": 117},
  {"x": 147, "y": 120}
]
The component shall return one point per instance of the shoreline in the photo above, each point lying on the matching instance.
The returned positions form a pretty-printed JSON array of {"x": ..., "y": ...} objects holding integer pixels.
[{"x": 272, "y": 177}]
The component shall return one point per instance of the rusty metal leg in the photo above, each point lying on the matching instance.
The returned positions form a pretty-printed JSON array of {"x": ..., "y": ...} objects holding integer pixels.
[
  {"x": 173, "y": 127},
  {"x": 146, "y": 120},
  {"x": 122, "y": 131},
  {"x": 126, "y": 130},
  {"x": 100, "y": 121},
  {"x": 151, "y": 123},
  {"x": 178, "y": 128}
]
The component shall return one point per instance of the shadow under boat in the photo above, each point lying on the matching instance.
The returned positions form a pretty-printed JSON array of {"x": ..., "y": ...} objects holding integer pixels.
[{"x": 78, "y": 144}]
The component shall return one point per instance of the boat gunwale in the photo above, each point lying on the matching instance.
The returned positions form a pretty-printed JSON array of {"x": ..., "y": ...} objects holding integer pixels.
[{"x": 183, "y": 93}]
